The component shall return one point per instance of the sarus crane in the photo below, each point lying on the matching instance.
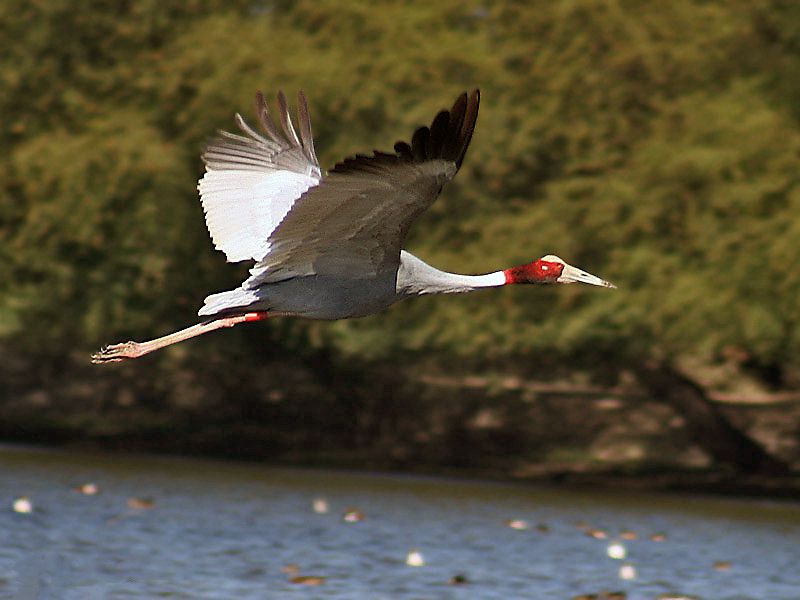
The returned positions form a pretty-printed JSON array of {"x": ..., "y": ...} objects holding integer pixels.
[{"x": 330, "y": 246}]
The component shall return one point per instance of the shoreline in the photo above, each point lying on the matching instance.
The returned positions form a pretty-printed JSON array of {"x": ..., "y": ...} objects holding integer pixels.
[{"x": 709, "y": 482}]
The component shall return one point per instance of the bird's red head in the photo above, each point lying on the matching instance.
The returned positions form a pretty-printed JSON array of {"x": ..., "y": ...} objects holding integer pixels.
[
  {"x": 542, "y": 270},
  {"x": 551, "y": 269}
]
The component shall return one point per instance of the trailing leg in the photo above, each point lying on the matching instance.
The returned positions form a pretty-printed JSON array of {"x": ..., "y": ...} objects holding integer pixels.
[{"x": 117, "y": 352}]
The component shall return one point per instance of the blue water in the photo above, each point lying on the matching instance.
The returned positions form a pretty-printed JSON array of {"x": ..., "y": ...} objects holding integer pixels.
[{"x": 220, "y": 530}]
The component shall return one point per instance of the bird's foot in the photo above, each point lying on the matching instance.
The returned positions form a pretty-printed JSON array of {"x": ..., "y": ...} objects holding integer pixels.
[{"x": 117, "y": 352}]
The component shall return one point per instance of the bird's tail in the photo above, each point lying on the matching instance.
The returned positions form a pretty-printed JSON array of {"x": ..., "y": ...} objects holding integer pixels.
[{"x": 223, "y": 302}]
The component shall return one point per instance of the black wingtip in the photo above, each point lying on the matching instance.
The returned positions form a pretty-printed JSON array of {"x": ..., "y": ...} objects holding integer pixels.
[
  {"x": 468, "y": 126},
  {"x": 447, "y": 138},
  {"x": 449, "y": 134}
]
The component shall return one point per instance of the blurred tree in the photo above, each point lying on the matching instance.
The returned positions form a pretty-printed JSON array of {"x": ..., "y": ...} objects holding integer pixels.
[{"x": 654, "y": 143}]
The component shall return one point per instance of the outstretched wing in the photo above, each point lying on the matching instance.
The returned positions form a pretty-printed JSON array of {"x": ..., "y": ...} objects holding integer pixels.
[
  {"x": 252, "y": 181},
  {"x": 354, "y": 222}
]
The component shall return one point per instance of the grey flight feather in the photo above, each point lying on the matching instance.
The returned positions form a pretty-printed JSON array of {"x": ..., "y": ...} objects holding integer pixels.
[
  {"x": 262, "y": 110},
  {"x": 253, "y": 151},
  {"x": 306, "y": 135},
  {"x": 357, "y": 218},
  {"x": 286, "y": 120}
]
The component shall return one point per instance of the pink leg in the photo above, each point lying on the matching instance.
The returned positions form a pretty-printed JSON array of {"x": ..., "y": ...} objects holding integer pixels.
[{"x": 116, "y": 352}]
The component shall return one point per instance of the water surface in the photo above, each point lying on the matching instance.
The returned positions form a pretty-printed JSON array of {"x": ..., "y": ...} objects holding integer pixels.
[{"x": 219, "y": 530}]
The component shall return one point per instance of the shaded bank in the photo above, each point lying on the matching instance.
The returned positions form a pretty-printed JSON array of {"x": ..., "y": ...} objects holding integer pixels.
[{"x": 313, "y": 412}]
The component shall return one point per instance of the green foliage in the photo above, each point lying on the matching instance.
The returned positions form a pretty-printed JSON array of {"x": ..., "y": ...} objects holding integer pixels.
[
  {"x": 655, "y": 144},
  {"x": 99, "y": 230}
]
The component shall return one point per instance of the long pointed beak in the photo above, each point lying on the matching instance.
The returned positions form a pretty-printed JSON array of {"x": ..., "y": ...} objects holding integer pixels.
[{"x": 572, "y": 274}]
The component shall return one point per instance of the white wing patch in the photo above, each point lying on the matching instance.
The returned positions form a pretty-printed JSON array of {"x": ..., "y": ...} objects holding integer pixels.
[
  {"x": 252, "y": 181},
  {"x": 243, "y": 207}
]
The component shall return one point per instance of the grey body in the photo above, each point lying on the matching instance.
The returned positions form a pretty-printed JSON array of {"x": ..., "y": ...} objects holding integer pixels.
[{"x": 330, "y": 297}]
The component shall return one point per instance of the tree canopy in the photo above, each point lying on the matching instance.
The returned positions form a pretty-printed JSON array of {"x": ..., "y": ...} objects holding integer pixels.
[{"x": 655, "y": 144}]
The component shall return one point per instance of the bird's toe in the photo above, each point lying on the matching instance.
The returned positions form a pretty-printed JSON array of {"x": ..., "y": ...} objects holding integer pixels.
[{"x": 115, "y": 353}]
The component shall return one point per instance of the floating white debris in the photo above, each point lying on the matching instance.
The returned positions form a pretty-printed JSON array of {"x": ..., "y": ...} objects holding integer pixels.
[
  {"x": 353, "y": 515},
  {"x": 415, "y": 559},
  {"x": 616, "y": 550},
  {"x": 88, "y": 489},
  {"x": 518, "y": 524},
  {"x": 320, "y": 506},
  {"x": 23, "y": 505},
  {"x": 627, "y": 571}
]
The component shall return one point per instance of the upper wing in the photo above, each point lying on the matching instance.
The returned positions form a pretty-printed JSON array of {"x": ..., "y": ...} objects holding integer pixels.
[
  {"x": 354, "y": 222},
  {"x": 252, "y": 181}
]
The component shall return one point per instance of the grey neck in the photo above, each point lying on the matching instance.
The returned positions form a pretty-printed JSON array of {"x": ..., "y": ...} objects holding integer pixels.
[{"x": 416, "y": 277}]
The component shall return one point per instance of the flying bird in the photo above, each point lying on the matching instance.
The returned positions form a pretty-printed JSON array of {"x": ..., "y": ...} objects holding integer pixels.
[{"x": 330, "y": 246}]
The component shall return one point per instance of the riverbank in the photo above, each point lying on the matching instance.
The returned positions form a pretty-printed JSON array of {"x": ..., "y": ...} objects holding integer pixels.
[{"x": 504, "y": 428}]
